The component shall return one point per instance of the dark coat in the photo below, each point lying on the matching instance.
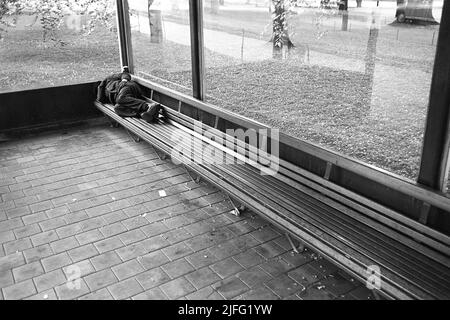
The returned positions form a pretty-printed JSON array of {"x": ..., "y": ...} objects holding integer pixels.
[{"x": 126, "y": 96}]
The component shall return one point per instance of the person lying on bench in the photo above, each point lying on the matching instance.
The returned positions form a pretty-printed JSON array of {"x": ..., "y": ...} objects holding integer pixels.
[{"x": 126, "y": 96}]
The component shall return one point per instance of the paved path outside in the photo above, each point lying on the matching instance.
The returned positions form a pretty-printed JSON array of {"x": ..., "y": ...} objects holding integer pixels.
[{"x": 82, "y": 216}]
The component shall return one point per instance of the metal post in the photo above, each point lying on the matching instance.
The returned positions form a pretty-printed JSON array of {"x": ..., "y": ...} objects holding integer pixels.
[
  {"x": 124, "y": 34},
  {"x": 435, "y": 152},
  {"x": 197, "y": 58}
]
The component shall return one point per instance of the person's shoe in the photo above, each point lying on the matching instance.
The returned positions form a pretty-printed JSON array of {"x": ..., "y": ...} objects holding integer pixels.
[
  {"x": 151, "y": 115},
  {"x": 164, "y": 116}
]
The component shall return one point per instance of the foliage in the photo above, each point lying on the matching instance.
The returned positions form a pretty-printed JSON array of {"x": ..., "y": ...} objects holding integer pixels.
[
  {"x": 8, "y": 8},
  {"x": 80, "y": 15}
]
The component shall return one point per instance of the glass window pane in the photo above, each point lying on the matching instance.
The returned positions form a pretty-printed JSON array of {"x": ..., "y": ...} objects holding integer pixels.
[
  {"x": 161, "y": 44},
  {"x": 52, "y": 43},
  {"x": 354, "y": 81}
]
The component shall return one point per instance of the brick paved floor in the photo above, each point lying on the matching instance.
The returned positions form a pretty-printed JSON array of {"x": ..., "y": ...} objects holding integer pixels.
[{"x": 85, "y": 202}]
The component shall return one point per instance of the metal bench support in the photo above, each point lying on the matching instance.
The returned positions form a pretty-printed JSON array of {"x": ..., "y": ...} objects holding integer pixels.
[{"x": 297, "y": 249}]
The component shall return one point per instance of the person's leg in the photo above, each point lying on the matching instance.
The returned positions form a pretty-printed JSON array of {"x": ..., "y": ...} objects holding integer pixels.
[
  {"x": 127, "y": 106},
  {"x": 151, "y": 115}
]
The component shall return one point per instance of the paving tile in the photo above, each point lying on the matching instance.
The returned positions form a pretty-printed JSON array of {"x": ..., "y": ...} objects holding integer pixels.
[
  {"x": 132, "y": 251},
  {"x": 108, "y": 244},
  {"x": 177, "y": 288},
  {"x": 201, "y": 259},
  {"x": 202, "y": 277},
  {"x": 72, "y": 289},
  {"x": 323, "y": 266},
  {"x": 28, "y": 271},
  {"x": 65, "y": 244},
  {"x": 305, "y": 274},
  {"x": 337, "y": 284},
  {"x": 249, "y": 258},
  {"x": 230, "y": 287},
  {"x": 362, "y": 293},
  {"x": 276, "y": 266},
  {"x": 178, "y": 235},
  {"x": 177, "y": 268},
  {"x": 102, "y": 294},
  {"x": 56, "y": 212},
  {"x": 316, "y": 292},
  {"x": 89, "y": 236},
  {"x": 100, "y": 279},
  {"x": 19, "y": 290},
  {"x": 17, "y": 245},
  {"x": 254, "y": 277},
  {"x": 105, "y": 260},
  {"x": 270, "y": 249},
  {"x": 113, "y": 229},
  {"x": 152, "y": 278},
  {"x": 152, "y": 294},
  {"x": 21, "y": 210},
  {"x": 224, "y": 250},
  {"x": 34, "y": 218},
  {"x": 53, "y": 223},
  {"x": 296, "y": 259},
  {"x": 6, "y": 278},
  {"x": 177, "y": 251},
  {"x": 44, "y": 237},
  {"x": 27, "y": 231},
  {"x": 155, "y": 243},
  {"x": 37, "y": 253},
  {"x": 41, "y": 206},
  {"x": 115, "y": 216},
  {"x": 284, "y": 286},
  {"x": 81, "y": 268},
  {"x": 49, "y": 280},
  {"x": 11, "y": 261},
  {"x": 44, "y": 295},
  {"x": 154, "y": 229},
  {"x": 260, "y": 293},
  {"x": 56, "y": 261},
  {"x": 244, "y": 242},
  {"x": 125, "y": 289},
  {"x": 83, "y": 252},
  {"x": 132, "y": 236},
  {"x": 10, "y": 224},
  {"x": 135, "y": 222},
  {"x": 206, "y": 293},
  {"x": 127, "y": 269},
  {"x": 226, "y": 268},
  {"x": 153, "y": 260},
  {"x": 75, "y": 217},
  {"x": 6, "y": 236}
]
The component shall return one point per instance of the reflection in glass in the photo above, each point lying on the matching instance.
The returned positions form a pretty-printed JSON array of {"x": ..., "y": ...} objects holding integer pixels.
[
  {"x": 161, "y": 42},
  {"x": 345, "y": 75},
  {"x": 49, "y": 43}
]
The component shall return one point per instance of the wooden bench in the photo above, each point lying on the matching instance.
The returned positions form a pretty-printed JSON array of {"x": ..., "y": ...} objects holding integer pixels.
[{"x": 355, "y": 233}]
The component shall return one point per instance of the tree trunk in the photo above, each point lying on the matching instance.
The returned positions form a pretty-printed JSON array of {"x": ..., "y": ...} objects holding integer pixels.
[
  {"x": 370, "y": 60},
  {"x": 344, "y": 9},
  {"x": 214, "y": 6},
  {"x": 154, "y": 20},
  {"x": 280, "y": 36}
]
